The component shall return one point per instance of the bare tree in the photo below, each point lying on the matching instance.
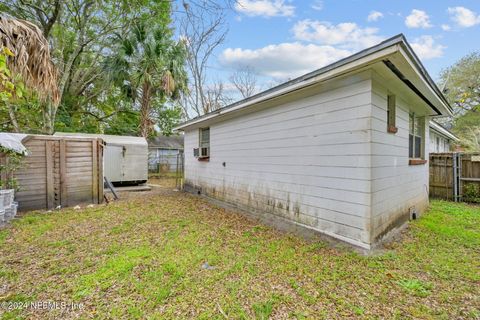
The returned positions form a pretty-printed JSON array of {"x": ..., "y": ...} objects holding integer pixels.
[
  {"x": 215, "y": 96},
  {"x": 203, "y": 29},
  {"x": 245, "y": 80}
]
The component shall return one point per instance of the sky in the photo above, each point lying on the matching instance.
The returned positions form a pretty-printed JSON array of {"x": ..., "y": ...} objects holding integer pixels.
[{"x": 282, "y": 39}]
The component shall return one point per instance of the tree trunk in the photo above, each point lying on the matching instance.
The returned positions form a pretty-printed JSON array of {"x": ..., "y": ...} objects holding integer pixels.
[
  {"x": 145, "y": 121},
  {"x": 13, "y": 118},
  {"x": 48, "y": 118}
]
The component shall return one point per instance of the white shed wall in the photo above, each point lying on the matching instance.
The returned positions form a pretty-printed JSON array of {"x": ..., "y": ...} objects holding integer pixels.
[
  {"x": 307, "y": 161},
  {"x": 128, "y": 165},
  {"x": 159, "y": 156},
  {"x": 396, "y": 185}
]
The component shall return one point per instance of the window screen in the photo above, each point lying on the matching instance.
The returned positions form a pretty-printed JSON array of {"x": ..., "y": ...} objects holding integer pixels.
[
  {"x": 204, "y": 137},
  {"x": 415, "y": 137},
  {"x": 391, "y": 112}
]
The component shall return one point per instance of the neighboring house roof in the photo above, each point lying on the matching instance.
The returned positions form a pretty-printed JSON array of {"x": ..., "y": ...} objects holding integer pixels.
[
  {"x": 109, "y": 139},
  {"x": 438, "y": 128},
  {"x": 395, "y": 53},
  {"x": 163, "y": 142}
]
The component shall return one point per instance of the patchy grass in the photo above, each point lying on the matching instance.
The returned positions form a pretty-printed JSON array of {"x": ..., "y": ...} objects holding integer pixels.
[
  {"x": 143, "y": 258},
  {"x": 415, "y": 287},
  {"x": 165, "y": 181}
]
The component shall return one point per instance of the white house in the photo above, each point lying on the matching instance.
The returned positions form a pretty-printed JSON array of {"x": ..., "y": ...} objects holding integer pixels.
[
  {"x": 342, "y": 150},
  {"x": 441, "y": 139},
  {"x": 164, "y": 153}
]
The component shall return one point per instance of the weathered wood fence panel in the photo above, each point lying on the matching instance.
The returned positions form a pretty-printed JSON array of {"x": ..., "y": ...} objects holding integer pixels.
[
  {"x": 60, "y": 171},
  {"x": 469, "y": 176},
  {"x": 441, "y": 176},
  {"x": 455, "y": 176}
]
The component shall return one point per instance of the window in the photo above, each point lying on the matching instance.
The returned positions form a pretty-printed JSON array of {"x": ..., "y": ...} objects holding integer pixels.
[
  {"x": 204, "y": 143},
  {"x": 415, "y": 137},
  {"x": 391, "y": 114}
]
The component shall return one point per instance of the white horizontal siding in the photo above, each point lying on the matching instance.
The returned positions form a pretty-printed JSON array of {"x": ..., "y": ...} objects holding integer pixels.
[
  {"x": 307, "y": 160},
  {"x": 396, "y": 185},
  {"x": 442, "y": 146}
]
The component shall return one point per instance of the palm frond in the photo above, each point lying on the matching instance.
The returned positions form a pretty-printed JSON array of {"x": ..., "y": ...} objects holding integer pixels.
[{"x": 31, "y": 60}]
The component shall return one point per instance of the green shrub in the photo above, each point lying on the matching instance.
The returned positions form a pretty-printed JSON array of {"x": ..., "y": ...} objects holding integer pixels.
[{"x": 471, "y": 192}]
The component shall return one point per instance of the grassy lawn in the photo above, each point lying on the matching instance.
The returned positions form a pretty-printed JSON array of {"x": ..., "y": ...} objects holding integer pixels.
[{"x": 142, "y": 258}]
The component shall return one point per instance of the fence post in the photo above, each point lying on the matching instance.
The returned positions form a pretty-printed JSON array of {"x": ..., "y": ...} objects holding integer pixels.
[
  {"x": 455, "y": 181},
  {"x": 459, "y": 177}
]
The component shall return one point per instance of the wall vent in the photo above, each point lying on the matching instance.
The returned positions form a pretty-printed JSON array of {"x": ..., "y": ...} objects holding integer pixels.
[{"x": 413, "y": 213}]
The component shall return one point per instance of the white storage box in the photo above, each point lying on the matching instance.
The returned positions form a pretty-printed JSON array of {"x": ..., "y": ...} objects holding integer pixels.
[
  {"x": 11, "y": 211},
  {"x": 6, "y": 198}
]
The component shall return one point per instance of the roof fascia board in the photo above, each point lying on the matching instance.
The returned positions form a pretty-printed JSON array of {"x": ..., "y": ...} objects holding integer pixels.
[
  {"x": 442, "y": 131},
  {"x": 334, "y": 72},
  {"x": 349, "y": 64}
]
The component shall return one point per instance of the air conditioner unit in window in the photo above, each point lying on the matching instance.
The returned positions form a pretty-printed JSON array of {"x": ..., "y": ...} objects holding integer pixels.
[{"x": 204, "y": 152}]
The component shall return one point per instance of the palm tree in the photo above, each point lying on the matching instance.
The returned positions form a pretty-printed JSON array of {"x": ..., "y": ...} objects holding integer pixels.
[
  {"x": 29, "y": 58},
  {"x": 148, "y": 65},
  {"x": 31, "y": 55}
]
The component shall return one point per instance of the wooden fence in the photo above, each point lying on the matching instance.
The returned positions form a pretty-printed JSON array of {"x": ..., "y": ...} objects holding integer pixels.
[
  {"x": 61, "y": 171},
  {"x": 455, "y": 176}
]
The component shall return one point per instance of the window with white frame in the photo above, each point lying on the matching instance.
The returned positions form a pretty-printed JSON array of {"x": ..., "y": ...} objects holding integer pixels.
[
  {"x": 415, "y": 137},
  {"x": 204, "y": 143}
]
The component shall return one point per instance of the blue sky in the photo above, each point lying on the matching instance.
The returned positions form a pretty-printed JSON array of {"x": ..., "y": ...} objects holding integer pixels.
[{"x": 281, "y": 39}]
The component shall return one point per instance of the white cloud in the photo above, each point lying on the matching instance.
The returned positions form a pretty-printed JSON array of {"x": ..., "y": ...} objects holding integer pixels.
[
  {"x": 464, "y": 17},
  {"x": 418, "y": 19},
  {"x": 426, "y": 48},
  {"x": 446, "y": 27},
  {"x": 284, "y": 60},
  {"x": 374, "y": 16},
  {"x": 317, "y": 5},
  {"x": 265, "y": 8},
  {"x": 346, "y": 35}
]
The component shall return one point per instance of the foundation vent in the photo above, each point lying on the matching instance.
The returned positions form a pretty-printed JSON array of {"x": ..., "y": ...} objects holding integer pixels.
[{"x": 413, "y": 213}]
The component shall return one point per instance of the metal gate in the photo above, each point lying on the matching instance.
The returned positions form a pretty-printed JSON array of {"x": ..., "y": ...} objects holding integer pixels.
[{"x": 180, "y": 171}]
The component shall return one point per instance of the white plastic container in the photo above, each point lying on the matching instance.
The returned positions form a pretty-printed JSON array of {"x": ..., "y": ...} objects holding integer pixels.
[
  {"x": 6, "y": 198},
  {"x": 10, "y": 212},
  {"x": 2, "y": 217}
]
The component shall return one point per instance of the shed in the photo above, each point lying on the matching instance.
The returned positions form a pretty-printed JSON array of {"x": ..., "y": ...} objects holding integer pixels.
[
  {"x": 163, "y": 153},
  {"x": 341, "y": 151},
  {"x": 441, "y": 139},
  {"x": 58, "y": 171},
  {"x": 125, "y": 157}
]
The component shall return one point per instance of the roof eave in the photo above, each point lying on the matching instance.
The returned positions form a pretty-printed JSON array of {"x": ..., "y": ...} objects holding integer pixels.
[
  {"x": 442, "y": 131},
  {"x": 340, "y": 67},
  {"x": 408, "y": 53},
  {"x": 349, "y": 64}
]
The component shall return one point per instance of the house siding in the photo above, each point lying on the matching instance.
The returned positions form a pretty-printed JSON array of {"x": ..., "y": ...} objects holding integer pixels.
[
  {"x": 396, "y": 185},
  {"x": 306, "y": 161},
  {"x": 162, "y": 156},
  {"x": 442, "y": 146}
]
